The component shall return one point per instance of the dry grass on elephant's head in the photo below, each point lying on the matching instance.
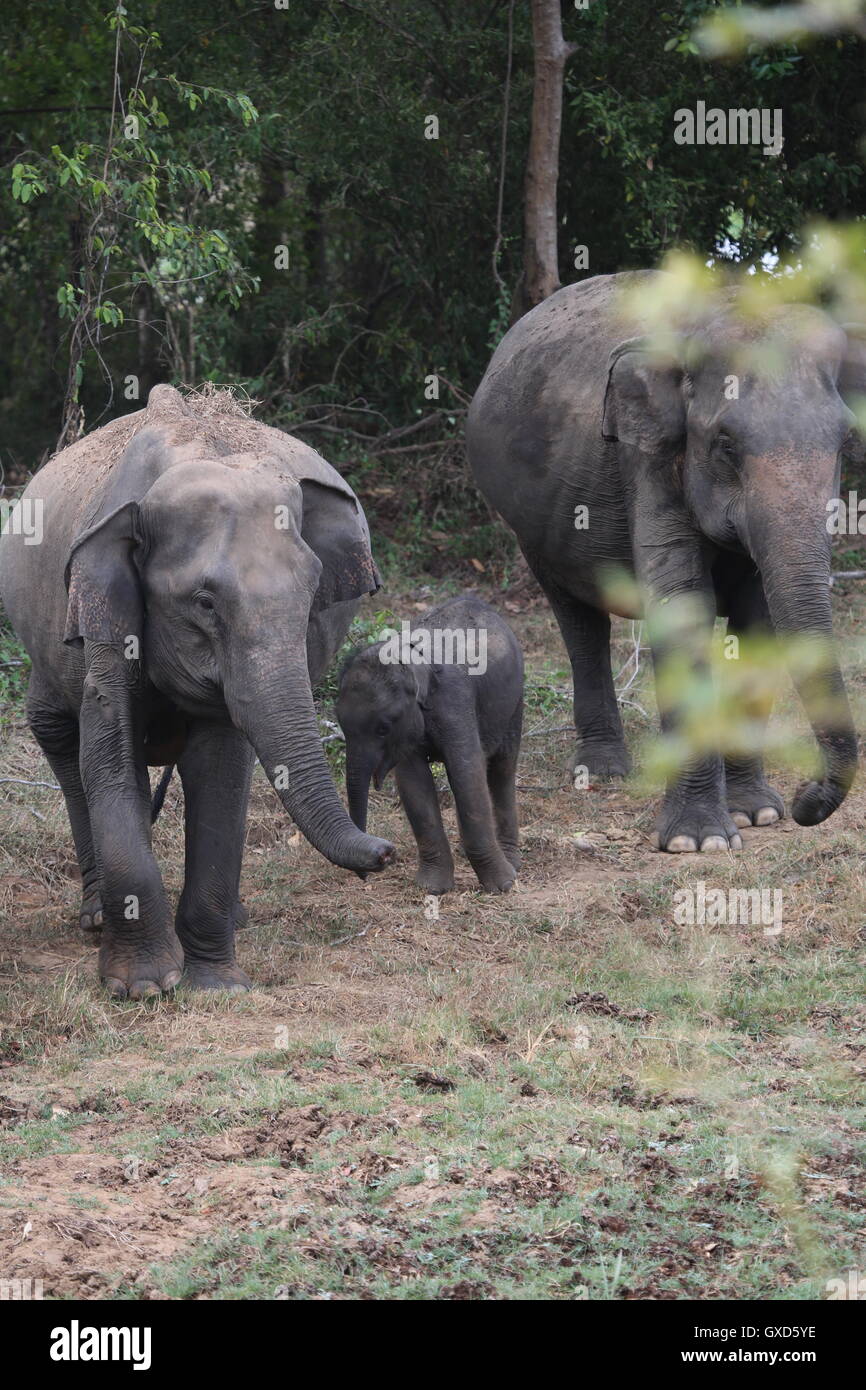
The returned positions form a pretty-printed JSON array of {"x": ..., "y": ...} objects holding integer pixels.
[{"x": 213, "y": 399}]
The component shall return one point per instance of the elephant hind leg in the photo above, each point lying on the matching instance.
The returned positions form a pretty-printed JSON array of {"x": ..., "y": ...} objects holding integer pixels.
[
  {"x": 601, "y": 752},
  {"x": 502, "y": 784},
  {"x": 466, "y": 767},
  {"x": 56, "y": 731}
]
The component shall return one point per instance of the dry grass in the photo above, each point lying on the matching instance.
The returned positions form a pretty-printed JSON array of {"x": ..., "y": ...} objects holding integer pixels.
[{"x": 693, "y": 1131}]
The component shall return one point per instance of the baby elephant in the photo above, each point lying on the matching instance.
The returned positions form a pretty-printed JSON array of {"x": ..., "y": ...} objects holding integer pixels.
[{"x": 449, "y": 691}]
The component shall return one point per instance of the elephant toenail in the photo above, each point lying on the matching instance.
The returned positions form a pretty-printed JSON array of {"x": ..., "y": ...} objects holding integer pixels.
[
  {"x": 768, "y": 815},
  {"x": 682, "y": 844},
  {"x": 741, "y": 818},
  {"x": 713, "y": 844},
  {"x": 144, "y": 989}
]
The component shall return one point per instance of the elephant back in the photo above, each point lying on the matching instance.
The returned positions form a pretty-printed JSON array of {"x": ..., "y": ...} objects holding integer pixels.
[{"x": 209, "y": 423}]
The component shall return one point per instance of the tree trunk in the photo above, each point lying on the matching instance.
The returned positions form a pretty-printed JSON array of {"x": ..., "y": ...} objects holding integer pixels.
[{"x": 540, "y": 258}]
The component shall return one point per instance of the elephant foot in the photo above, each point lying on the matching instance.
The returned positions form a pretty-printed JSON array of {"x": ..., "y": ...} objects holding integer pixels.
[
  {"x": 138, "y": 969},
  {"x": 600, "y": 761},
  {"x": 697, "y": 827},
  {"x": 754, "y": 803},
  {"x": 208, "y": 974},
  {"x": 90, "y": 917},
  {"x": 513, "y": 856},
  {"x": 497, "y": 877},
  {"x": 435, "y": 879}
]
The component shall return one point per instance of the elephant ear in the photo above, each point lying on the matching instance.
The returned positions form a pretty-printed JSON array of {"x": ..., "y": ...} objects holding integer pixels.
[
  {"x": 335, "y": 529},
  {"x": 105, "y": 602},
  {"x": 644, "y": 401}
]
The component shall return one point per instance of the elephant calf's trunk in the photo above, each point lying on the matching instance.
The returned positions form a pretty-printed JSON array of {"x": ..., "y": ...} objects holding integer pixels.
[{"x": 358, "y": 775}]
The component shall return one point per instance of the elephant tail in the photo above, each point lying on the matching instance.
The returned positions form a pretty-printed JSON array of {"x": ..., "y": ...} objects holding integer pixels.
[{"x": 159, "y": 794}]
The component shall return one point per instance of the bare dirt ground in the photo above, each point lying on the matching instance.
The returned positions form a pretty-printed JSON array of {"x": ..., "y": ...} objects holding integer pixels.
[{"x": 560, "y": 1094}]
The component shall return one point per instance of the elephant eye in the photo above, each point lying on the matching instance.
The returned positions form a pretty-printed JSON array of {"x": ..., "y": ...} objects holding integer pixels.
[
  {"x": 726, "y": 447},
  {"x": 204, "y": 602}
]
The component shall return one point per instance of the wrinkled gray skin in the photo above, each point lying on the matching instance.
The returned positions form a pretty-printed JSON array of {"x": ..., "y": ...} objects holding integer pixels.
[
  {"x": 691, "y": 492},
  {"x": 160, "y": 536},
  {"x": 406, "y": 716}
]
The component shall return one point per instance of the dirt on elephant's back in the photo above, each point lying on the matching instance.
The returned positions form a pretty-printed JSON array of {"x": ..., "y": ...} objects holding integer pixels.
[{"x": 206, "y": 424}]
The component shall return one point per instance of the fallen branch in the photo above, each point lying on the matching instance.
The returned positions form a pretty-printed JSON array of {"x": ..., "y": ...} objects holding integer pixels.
[
  {"x": 353, "y": 936},
  {"x": 22, "y": 782},
  {"x": 414, "y": 448},
  {"x": 533, "y": 787}
]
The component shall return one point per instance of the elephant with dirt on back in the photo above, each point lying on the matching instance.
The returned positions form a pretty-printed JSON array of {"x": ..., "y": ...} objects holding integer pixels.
[
  {"x": 197, "y": 573},
  {"x": 695, "y": 490}
]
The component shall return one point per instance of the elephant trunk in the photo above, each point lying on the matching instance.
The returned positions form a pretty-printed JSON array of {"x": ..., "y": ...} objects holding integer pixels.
[
  {"x": 359, "y": 772},
  {"x": 274, "y": 709},
  {"x": 795, "y": 567}
]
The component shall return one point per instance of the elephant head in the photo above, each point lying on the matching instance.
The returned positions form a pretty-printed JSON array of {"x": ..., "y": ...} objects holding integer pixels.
[
  {"x": 201, "y": 571},
  {"x": 748, "y": 424},
  {"x": 379, "y": 710}
]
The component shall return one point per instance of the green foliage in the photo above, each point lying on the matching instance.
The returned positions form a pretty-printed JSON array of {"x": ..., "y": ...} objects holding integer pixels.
[
  {"x": 389, "y": 235},
  {"x": 150, "y": 250},
  {"x": 14, "y": 675},
  {"x": 115, "y": 204}
]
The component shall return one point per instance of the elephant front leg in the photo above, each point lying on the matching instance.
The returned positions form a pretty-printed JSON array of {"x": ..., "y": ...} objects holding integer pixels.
[
  {"x": 751, "y": 800},
  {"x": 694, "y": 815},
  {"x": 421, "y": 803},
  {"x": 139, "y": 952},
  {"x": 673, "y": 566},
  {"x": 215, "y": 769}
]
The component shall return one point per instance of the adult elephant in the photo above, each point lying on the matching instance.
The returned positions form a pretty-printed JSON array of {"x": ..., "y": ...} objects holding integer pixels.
[
  {"x": 701, "y": 476},
  {"x": 196, "y": 573}
]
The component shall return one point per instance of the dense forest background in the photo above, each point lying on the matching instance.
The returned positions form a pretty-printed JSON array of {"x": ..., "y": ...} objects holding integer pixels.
[{"x": 249, "y": 194}]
